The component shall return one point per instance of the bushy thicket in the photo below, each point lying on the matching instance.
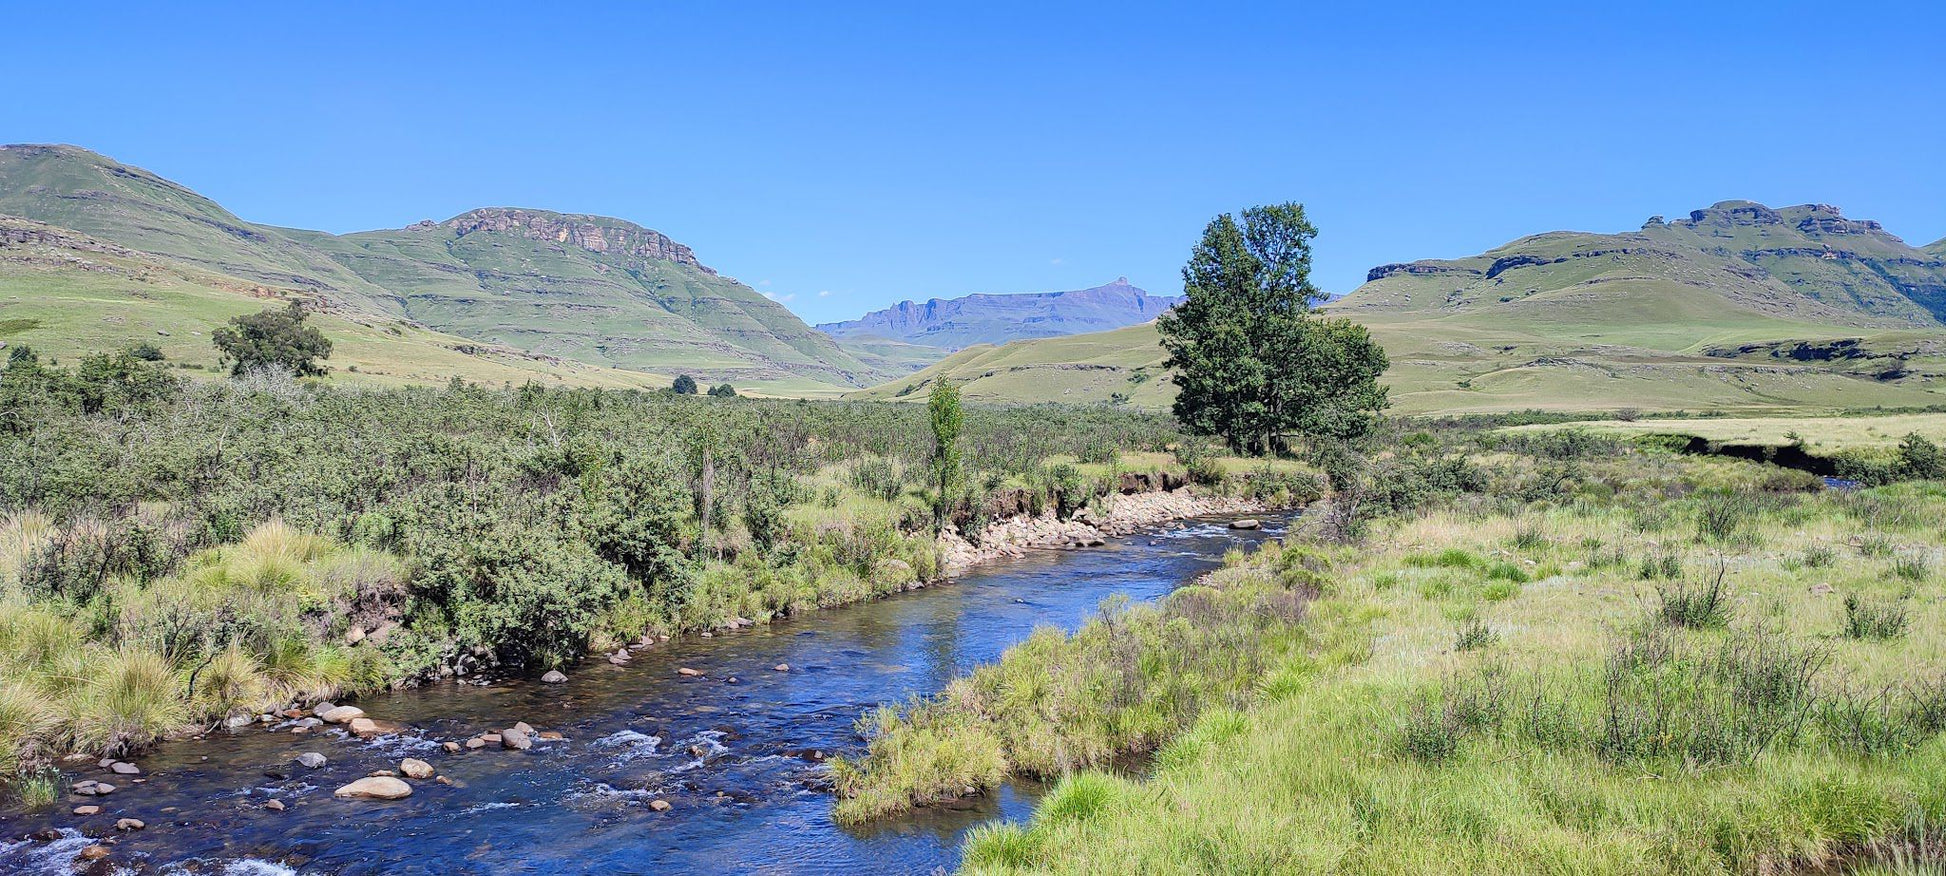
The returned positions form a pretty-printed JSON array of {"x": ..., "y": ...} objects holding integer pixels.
[{"x": 535, "y": 523}]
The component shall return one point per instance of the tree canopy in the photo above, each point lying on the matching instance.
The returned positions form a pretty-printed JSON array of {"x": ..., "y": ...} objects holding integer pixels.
[
  {"x": 684, "y": 385},
  {"x": 1254, "y": 362},
  {"x": 273, "y": 337}
]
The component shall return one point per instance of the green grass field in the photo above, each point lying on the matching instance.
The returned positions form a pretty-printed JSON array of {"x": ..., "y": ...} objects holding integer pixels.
[{"x": 1828, "y": 433}]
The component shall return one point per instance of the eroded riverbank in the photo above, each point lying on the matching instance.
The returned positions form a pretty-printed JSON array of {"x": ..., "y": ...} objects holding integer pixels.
[{"x": 739, "y": 761}]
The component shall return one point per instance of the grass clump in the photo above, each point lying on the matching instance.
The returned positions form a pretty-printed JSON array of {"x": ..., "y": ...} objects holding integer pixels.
[
  {"x": 1703, "y": 605},
  {"x": 1475, "y": 635},
  {"x": 1874, "y": 619}
]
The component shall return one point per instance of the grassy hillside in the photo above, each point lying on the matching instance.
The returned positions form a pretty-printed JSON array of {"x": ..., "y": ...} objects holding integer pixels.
[
  {"x": 73, "y": 188},
  {"x": 66, "y": 294},
  {"x": 1123, "y": 366},
  {"x": 1737, "y": 308},
  {"x": 598, "y": 291},
  {"x": 886, "y": 355},
  {"x": 535, "y": 280}
]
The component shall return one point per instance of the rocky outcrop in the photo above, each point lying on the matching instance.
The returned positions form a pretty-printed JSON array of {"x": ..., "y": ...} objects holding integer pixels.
[
  {"x": 592, "y": 233},
  {"x": 1420, "y": 267},
  {"x": 1015, "y": 536}
]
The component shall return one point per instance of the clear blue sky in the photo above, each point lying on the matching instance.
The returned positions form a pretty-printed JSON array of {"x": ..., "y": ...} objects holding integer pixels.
[{"x": 844, "y": 157}]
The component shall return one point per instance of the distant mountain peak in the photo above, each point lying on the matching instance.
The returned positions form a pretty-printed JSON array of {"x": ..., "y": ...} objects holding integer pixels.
[{"x": 997, "y": 318}]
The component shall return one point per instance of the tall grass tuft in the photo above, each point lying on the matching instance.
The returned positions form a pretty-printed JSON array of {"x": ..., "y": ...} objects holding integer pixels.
[
  {"x": 1701, "y": 606},
  {"x": 131, "y": 702},
  {"x": 1875, "y": 620}
]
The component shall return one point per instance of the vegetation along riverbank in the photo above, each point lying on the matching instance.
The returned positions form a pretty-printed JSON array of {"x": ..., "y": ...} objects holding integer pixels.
[
  {"x": 1550, "y": 652},
  {"x": 178, "y": 551}
]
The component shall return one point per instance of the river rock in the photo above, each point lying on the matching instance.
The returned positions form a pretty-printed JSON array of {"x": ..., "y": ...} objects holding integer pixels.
[
  {"x": 93, "y": 853},
  {"x": 85, "y": 787},
  {"x": 130, "y": 824},
  {"x": 322, "y": 708},
  {"x": 415, "y": 768},
  {"x": 87, "y": 810},
  {"x": 123, "y": 768},
  {"x": 375, "y": 788},
  {"x": 660, "y": 805},
  {"x": 782, "y": 667},
  {"x": 490, "y": 738},
  {"x": 343, "y": 714},
  {"x": 237, "y": 721},
  {"x": 1246, "y": 523},
  {"x": 383, "y": 774},
  {"x": 450, "y": 747},
  {"x": 692, "y": 673},
  {"x": 362, "y": 727},
  {"x": 514, "y": 739},
  {"x": 524, "y": 727},
  {"x": 274, "y": 805},
  {"x": 311, "y": 759},
  {"x": 550, "y": 735},
  {"x": 554, "y": 676}
]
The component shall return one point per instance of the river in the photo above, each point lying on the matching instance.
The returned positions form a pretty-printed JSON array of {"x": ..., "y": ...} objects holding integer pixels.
[{"x": 735, "y": 759}]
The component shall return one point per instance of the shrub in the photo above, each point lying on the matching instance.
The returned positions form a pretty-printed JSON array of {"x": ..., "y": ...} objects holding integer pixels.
[
  {"x": 1873, "y": 620},
  {"x": 1700, "y": 606},
  {"x": 1720, "y": 518},
  {"x": 1819, "y": 556},
  {"x": 1475, "y": 635},
  {"x": 1912, "y": 566}
]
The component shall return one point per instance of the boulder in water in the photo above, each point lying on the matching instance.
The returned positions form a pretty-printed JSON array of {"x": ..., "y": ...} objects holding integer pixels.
[
  {"x": 87, "y": 810},
  {"x": 130, "y": 824},
  {"x": 1246, "y": 523},
  {"x": 311, "y": 759},
  {"x": 414, "y": 768},
  {"x": 514, "y": 740},
  {"x": 660, "y": 805},
  {"x": 343, "y": 714},
  {"x": 375, "y": 788},
  {"x": 553, "y": 676}
]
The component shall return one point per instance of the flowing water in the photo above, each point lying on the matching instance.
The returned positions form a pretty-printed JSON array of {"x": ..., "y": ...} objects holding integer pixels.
[{"x": 738, "y": 760}]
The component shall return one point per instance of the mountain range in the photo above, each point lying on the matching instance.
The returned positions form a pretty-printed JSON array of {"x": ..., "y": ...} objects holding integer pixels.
[
  {"x": 1734, "y": 306},
  {"x": 561, "y": 287},
  {"x": 957, "y": 323}
]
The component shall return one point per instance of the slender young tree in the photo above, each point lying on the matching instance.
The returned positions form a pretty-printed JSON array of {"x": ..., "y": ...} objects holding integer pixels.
[
  {"x": 947, "y": 423},
  {"x": 1253, "y": 361}
]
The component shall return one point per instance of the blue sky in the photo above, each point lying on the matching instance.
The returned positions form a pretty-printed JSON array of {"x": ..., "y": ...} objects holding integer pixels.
[{"x": 842, "y": 157}]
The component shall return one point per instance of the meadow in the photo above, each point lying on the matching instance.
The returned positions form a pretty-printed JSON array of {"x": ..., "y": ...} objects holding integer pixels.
[{"x": 1579, "y": 656}]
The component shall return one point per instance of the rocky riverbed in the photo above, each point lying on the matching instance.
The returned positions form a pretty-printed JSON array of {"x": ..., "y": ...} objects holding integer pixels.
[{"x": 718, "y": 769}]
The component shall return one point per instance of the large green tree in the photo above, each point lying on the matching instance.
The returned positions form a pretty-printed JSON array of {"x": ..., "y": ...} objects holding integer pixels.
[
  {"x": 273, "y": 337},
  {"x": 1254, "y": 362}
]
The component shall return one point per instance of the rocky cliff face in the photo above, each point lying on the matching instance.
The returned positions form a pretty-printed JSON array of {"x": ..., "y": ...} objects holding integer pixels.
[{"x": 592, "y": 233}]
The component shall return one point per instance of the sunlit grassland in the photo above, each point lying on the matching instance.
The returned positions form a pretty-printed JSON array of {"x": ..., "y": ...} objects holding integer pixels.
[
  {"x": 1505, "y": 757},
  {"x": 1828, "y": 433}
]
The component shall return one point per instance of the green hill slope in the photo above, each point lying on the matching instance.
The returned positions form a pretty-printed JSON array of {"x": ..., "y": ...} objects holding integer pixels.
[
  {"x": 595, "y": 290},
  {"x": 66, "y": 294},
  {"x": 1739, "y": 307},
  {"x": 73, "y": 188}
]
